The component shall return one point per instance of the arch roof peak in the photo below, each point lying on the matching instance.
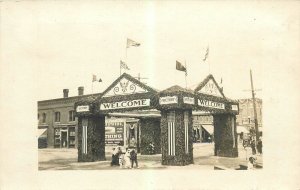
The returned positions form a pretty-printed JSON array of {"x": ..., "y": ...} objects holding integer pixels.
[
  {"x": 126, "y": 85},
  {"x": 209, "y": 86}
]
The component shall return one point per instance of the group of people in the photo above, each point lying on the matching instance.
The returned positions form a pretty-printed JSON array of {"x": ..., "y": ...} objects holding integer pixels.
[
  {"x": 124, "y": 160},
  {"x": 256, "y": 147}
]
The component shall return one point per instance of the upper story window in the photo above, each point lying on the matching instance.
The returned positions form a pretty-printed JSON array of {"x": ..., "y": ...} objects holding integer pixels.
[
  {"x": 44, "y": 118},
  {"x": 71, "y": 115},
  {"x": 57, "y": 117}
]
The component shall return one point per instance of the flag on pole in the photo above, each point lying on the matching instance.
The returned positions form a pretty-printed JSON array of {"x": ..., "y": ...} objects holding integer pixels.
[
  {"x": 180, "y": 67},
  {"x": 206, "y": 55},
  {"x": 132, "y": 43},
  {"x": 95, "y": 79},
  {"x": 123, "y": 65}
]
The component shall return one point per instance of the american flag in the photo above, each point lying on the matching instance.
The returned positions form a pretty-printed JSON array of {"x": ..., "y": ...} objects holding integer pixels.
[
  {"x": 84, "y": 139},
  {"x": 171, "y": 133}
]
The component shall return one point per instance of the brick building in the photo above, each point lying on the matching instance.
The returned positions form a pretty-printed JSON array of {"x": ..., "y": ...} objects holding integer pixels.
[{"x": 57, "y": 122}]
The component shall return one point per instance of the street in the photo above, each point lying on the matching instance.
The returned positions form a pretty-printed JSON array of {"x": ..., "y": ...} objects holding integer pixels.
[{"x": 66, "y": 159}]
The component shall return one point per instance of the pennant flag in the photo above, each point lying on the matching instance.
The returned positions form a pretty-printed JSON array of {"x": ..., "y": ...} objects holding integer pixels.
[
  {"x": 94, "y": 78},
  {"x": 180, "y": 67},
  {"x": 123, "y": 65},
  {"x": 206, "y": 55},
  {"x": 132, "y": 43}
]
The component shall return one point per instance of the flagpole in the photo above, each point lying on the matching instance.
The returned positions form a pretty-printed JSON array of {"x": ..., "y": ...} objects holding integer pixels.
[
  {"x": 120, "y": 67},
  {"x": 185, "y": 74}
]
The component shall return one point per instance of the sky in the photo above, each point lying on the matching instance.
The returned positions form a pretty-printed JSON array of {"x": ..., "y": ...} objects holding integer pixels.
[{"x": 72, "y": 41}]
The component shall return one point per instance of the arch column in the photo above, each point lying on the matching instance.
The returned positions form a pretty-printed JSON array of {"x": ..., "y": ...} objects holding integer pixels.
[
  {"x": 176, "y": 137},
  {"x": 91, "y": 138},
  {"x": 225, "y": 135}
]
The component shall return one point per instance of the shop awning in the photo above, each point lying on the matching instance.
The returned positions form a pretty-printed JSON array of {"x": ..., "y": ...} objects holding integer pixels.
[
  {"x": 42, "y": 132},
  {"x": 209, "y": 128},
  {"x": 240, "y": 129}
]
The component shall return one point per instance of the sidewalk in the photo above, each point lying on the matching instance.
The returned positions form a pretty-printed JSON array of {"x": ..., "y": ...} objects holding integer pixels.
[{"x": 66, "y": 159}]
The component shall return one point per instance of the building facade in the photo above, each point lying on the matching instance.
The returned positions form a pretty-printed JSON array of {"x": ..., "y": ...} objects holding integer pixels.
[{"x": 246, "y": 112}]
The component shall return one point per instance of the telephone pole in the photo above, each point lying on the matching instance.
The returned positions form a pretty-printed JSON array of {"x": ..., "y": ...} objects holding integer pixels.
[{"x": 254, "y": 108}]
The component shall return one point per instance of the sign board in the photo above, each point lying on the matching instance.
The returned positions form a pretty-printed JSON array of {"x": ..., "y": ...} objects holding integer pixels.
[
  {"x": 82, "y": 108},
  {"x": 168, "y": 100},
  {"x": 125, "y": 104},
  {"x": 234, "y": 107},
  {"x": 114, "y": 133},
  {"x": 210, "y": 88},
  {"x": 188, "y": 100},
  {"x": 211, "y": 104}
]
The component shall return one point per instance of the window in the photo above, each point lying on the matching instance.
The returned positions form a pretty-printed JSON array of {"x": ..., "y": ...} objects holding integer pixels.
[
  {"x": 44, "y": 118},
  {"x": 71, "y": 116},
  {"x": 57, "y": 116},
  {"x": 38, "y": 116}
]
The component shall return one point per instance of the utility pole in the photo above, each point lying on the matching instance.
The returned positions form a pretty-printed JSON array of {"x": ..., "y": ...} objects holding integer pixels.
[{"x": 254, "y": 108}]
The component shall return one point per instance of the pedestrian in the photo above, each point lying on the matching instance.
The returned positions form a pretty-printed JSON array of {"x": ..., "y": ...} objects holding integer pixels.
[
  {"x": 209, "y": 139},
  {"x": 259, "y": 146},
  {"x": 133, "y": 158},
  {"x": 127, "y": 161},
  {"x": 120, "y": 156},
  {"x": 114, "y": 158},
  {"x": 251, "y": 163},
  {"x": 132, "y": 143},
  {"x": 253, "y": 147}
]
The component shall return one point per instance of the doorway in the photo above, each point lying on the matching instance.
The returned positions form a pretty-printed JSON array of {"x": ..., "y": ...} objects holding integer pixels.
[{"x": 64, "y": 141}]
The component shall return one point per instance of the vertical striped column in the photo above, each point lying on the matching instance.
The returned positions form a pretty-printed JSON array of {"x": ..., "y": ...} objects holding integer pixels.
[
  {"x": 171, "y": 133},
  {"x": 186, "y": 131},
  {"x": 84, "y": 139}
]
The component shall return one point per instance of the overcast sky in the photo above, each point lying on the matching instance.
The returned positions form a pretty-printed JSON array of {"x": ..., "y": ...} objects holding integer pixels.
[{"x": 72, "y": 41}]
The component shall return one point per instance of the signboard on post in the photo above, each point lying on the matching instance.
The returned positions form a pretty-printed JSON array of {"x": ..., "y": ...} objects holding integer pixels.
[
  {"x": 82, "y": 108},
  {"x": 168, "y": 100},
  {"x": 188, "y": 100}
]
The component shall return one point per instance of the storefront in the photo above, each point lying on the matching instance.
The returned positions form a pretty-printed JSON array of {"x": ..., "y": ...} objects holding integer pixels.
[{"x": 64, "y": 137}]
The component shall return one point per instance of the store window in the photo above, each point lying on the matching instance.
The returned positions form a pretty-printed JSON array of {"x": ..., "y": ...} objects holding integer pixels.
[
  {"x": 44, "y": 118},
  {"x": 57, "y": 117},
  {"x": 71, "y": 115}
]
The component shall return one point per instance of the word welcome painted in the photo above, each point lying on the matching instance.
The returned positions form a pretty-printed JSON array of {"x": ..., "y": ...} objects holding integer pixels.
[
  {"x": 82, "y": 108},
  {"x": 125, "y": 104},
  {"x": 168, "y": 100},
  {"x": 211, "y": 104}
]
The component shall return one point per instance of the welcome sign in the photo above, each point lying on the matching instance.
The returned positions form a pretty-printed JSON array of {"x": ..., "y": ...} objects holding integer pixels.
[
  {"x": 211, "y": 104},
  {"x": 125, "y": 104}
]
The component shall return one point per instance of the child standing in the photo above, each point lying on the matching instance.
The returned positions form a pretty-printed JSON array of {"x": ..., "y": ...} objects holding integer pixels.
[{"x": 133, "y": 158}]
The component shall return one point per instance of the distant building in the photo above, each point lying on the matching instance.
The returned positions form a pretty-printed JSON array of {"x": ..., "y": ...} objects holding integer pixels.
[
  {"x": 245, "y": 119},
  {"x": 203, "y": 127}
]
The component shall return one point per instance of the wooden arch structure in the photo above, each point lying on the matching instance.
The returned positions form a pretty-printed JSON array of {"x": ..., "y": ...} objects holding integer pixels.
[{"x": 174, "y": 126}]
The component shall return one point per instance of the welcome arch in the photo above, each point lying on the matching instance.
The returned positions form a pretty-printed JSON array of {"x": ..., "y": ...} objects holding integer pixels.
[{"x": 175, "y": 104}]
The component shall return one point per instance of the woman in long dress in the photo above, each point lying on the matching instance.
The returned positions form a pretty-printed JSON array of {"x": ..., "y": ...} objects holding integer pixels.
[{"x": 127, "y": 161}]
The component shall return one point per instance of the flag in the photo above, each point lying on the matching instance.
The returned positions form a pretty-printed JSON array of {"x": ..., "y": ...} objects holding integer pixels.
[
  {"x": 94, "y": 78},
  {"x": 123, "y": 65},
  {"x": 180, "y": 67},
  {"x": 206, "y": 55},
  {"x": 132, "y": 43}
]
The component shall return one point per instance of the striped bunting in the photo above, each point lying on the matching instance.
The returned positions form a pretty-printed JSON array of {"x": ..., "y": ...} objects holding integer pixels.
[
  {"x": 84, "y": 139},
  {"x": 186, "y": 132},
  {"x": 171, "y": 133}
]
